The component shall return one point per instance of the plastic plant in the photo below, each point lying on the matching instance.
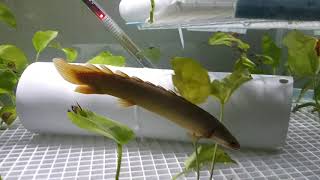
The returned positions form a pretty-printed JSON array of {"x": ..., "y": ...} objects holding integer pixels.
[
  {"x": 7, "y": 16},
  {"x": 240, "y": 49},
  {"x": 98, "y": 124},
  {"x": 303, "y": 63},
  {"x": 223, "y": 90},
  {"x": 193, "y": 83},
  {"x": 41, "y": 40},
  {"x": 205, "y": 153},
  {"x": 254, "y": 62},
  {"x": 271, "y": 54},
  {"x": 44, "y": 39},
  {"x": 13, "y": 62}
]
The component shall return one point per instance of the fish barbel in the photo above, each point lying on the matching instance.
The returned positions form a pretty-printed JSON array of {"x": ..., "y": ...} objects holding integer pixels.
[{"x": 134, "y": 91}]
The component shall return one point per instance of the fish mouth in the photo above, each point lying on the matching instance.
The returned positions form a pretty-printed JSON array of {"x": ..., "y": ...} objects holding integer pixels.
[
  {"x": 225, "y": 139},
  {"x": 231, "y": 145},
  {"x": 234, "y": 145}
]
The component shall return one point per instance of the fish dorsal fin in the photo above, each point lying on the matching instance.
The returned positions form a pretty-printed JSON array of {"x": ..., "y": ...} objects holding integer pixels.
[
  {"x": 122, "y": 74},
  {"x": 126, "y": 103},
  {"x": 149, "y": 83},
  {"x": 162, "y": 88},
  {"x": 153, "y": 85},
  {"x": 105, "y": 69},
  {"x": 172, "y": 92},
  {"x": 93, "y": 67},
  {"x": 137, "y": 79},
  {"x": 73, "y": 72}
]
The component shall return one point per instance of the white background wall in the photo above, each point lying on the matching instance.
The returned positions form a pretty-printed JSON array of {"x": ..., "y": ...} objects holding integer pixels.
[{"x": 78, "y": 27}]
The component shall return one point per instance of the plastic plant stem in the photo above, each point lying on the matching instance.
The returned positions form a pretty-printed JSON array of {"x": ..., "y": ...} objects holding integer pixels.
[
  {"x": 274, "y": 71},
  {"x": 119, "y": 151},
  {"x": 13, "y": 99},
  {"x": 1, "y": 126},
  {"x": 297, "y": 107},
  {"x": 178, "y": 175},
  {"x": 195, "y": 145},
  {"x": 37, "y": 57},
  {"x": 314, "y": 89},
  {"x": 216, "y": 145},
  {"x": 151, "y": 18}
]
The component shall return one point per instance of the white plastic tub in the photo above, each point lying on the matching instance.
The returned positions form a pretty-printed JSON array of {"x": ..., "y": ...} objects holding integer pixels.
[
  {"x": 257, "y": 114},
  {"x": 240, "y": 14},
  {"x": 169, "y": 11}
]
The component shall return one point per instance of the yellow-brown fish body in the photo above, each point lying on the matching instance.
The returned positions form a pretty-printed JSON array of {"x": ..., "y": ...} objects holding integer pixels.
[{"x": 134, "y": 91}]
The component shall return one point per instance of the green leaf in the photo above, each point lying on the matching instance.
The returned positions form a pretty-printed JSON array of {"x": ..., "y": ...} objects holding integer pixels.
[
  {"x": 41, "y": 39},
  {"x": 205, "y": 155},
  {"x": 302, "y": 56},
  {"x": 8, "y": 114},
  {"x": 265, "y": 59},
  {"x": 245, "y": 63},
  {"x": 221, "y": 38},
  {"x": 8, "y": 81},
  {"x": 7, "y": 16},
  {"x": 271, "y": 50},
  {"x": 7, "y": 99},
  {"x": 13, "y": 57},
  {"x": 223, "y": 89},
  {"x": 152, "y": 53},
  {"x": 191, "y": 79},
  {"x": 71, "y": 54},
  {"x": 108, "y": 59},
  {"x": 98, "y": 124}
]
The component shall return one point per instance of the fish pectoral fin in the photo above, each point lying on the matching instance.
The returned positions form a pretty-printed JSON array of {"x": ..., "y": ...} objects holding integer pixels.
[
  {"x": 84, "y": 89},
  {"x": 193, "y": 136},
  {"x": 126, "y": 103},
  {"x": 70, "y": 72}
]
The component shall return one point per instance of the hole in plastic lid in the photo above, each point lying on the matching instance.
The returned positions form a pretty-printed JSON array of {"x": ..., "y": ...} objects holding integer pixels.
[{"x": 284, "y": 81}]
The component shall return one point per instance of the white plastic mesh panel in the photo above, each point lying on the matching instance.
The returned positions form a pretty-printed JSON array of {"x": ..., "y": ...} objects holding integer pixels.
[{"x": 24, "y": 155}]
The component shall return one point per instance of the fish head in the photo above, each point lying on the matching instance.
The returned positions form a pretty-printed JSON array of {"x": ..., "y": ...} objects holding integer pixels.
[{"x": 222, "y": 136}]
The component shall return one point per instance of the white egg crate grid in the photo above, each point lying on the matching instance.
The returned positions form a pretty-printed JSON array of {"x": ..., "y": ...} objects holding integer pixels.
[{"x": 25, "y": 155}]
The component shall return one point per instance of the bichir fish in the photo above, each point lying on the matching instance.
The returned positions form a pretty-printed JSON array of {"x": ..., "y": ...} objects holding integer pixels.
[{"x": 92, "y": 79}]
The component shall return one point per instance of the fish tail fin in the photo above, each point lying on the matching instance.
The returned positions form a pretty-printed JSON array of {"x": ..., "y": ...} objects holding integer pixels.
[{"x": 71, "y": 72}]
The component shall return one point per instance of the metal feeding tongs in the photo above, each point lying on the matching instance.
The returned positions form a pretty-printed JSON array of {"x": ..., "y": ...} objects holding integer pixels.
[{"x": 124, "y": 40}]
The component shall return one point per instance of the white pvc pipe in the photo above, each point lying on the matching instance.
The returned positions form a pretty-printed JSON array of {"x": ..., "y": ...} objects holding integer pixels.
[{"x": 257, "y": 114}]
